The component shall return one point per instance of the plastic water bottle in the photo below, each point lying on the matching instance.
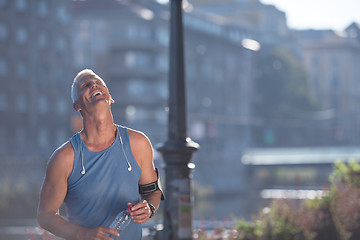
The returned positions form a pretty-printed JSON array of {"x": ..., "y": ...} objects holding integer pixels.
[{"x": 122, "y": 220}]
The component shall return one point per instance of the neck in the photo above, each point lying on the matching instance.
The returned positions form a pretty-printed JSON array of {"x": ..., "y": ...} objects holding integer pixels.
[{"x": 98, "y": 130}]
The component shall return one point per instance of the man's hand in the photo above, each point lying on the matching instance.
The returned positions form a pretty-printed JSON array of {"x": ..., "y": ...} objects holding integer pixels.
[
  {"x": 140, "y": 212},
  {"x": 98, "y": 233}
]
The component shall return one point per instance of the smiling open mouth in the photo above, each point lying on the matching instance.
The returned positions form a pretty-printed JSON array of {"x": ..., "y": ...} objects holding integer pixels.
[{"x": 97, "y": 93}]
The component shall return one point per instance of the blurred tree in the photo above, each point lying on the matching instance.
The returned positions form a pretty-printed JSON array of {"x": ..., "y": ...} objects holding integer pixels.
[
  {"x": 281, "y": 83},
  {"x": 282, "y": 90}
]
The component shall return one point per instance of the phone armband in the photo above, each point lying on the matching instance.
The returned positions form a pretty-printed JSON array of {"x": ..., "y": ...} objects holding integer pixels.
[{"x": 152, "y": 187}]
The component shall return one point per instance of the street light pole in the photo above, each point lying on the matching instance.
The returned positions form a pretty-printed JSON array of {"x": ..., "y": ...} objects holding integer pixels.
[{"x": 177, "y": 151}]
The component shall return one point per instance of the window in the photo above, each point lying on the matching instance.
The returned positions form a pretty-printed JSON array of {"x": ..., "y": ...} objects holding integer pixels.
[
  {"x": 2, "y": 3},
  {"x": 42, "y": 9},
  {"x": 142, "y": 60},
  {"x": 134, "y": 31},
  {"x": 21, "y": 35},
  {"x": 131, "y": 32},
  {"x": 43, "y": 138},
  {"x": 136, "y": 88},
  {"x": 21, "y": 5},
  {"x": 3, "y": 140},
  {"x": 137, "y": 59},
  {"x": 60, "y": 44},
  {"x": 144, "y": 32},
  {"x": 130, "y": 59},
  {"x": 60, "y": 137},
  {"x": 61, "y": 14},
  {"x": 79, "y": 59},
  {"x": 3, "y": 31},
  {"x": 43, "y": 106},
  {"x": 3, "y": 68},
  {"x": 162, "y": 63},
  {"x": 162, "y": 90},
  {"x": 130, "y": 112},
  {"x": 20, "y": 139},
  {"x": 84, "y": 30},
  {"x": 3, "y": 102},
  {"x": 61, "y": 106},
  {"x": 162, "y": 36}
]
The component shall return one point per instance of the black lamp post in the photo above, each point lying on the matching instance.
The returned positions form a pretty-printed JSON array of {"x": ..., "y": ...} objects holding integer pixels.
[{"x": 178, "y": 149}]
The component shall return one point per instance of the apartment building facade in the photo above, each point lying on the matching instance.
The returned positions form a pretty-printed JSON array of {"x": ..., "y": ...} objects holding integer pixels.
[{"x": 35, "y": 104}]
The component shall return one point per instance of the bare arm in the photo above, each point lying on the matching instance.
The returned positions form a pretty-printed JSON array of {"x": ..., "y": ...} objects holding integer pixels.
[
  {"x": 143, "y": 154},
  {"x": 52, "y": 195}
]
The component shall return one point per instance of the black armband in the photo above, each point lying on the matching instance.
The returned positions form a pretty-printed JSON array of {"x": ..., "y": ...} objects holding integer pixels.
[{"x": 152, "y": 187}]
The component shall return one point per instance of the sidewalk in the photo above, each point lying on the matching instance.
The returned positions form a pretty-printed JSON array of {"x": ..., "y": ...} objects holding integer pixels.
[{"x": 23, "y": 229}]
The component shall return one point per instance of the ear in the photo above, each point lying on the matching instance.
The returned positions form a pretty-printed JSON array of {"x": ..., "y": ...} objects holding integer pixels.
[
  {"x": 76, "y": 106},
  {"x": 111, "y": 100}
]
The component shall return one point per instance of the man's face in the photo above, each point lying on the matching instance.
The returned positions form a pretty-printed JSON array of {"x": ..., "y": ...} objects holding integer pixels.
[{"x": 91, "y": 91}]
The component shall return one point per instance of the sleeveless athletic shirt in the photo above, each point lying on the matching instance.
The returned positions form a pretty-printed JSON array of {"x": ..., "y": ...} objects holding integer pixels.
[{"x": 95, "y": 198}]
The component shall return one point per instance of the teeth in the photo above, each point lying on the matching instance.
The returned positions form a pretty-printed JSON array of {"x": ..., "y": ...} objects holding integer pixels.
[{"x": 96, "y": 93}]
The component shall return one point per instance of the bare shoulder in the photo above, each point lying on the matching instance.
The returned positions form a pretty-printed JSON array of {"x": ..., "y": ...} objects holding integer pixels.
[
  {"x": 64, "y": 153},
  {"x": 141, "y": 147},
  {"x": 62, "y": 159},
  {"x": 138, "y": 139}
]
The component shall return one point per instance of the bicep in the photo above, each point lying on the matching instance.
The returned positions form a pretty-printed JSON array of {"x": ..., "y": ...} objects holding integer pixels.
[
  {"x": 143, "y": 154},
  {"x": 148, "y": 173},
  {"x": 52, "y": 195},
  {"x": 54, "y": 187}
]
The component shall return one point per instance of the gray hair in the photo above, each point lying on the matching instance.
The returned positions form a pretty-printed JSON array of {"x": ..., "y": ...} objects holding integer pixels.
[{"x": 82, "y": 74}]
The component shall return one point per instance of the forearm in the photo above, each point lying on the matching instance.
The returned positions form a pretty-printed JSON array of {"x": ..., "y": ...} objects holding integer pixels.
[
  {"x": 57, "y": 225},
  {"x": 153, "y": 198}
]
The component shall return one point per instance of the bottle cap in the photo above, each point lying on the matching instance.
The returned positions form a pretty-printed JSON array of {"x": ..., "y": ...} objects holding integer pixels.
[{"x": 129, "y": 208}]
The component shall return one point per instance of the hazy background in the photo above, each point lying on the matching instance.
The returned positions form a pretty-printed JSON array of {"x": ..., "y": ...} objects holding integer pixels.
[{"x": 272, "y": 91}]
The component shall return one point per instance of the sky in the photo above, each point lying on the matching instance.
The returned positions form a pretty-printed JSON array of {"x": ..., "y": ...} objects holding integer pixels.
[{"x": 318, "y": 14}]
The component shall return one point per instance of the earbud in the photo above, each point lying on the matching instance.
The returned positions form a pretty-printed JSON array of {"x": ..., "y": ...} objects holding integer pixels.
[
  {"x": 82, "y": 162},
  {"x": 127, "y": 161},
  {"x": 83, "y": 170}
]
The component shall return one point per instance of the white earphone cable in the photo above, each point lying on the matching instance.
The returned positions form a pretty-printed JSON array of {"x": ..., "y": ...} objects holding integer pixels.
[
  {"x": 122, "y": 147},
  {"x": 82, "y": 161}
]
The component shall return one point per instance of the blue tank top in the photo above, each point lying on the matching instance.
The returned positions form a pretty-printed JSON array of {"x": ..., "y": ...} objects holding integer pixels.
[{"x": 95, "y": 198}]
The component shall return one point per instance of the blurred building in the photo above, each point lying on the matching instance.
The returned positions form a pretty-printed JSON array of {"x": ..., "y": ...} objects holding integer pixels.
[
  {"x": 265, "y": 22},
  {"x": 331, "y": 59},
  {"x": 35, "y": 68},
  {"x": 126, "y": 43},
  {"x": 219, "y": 63}
]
